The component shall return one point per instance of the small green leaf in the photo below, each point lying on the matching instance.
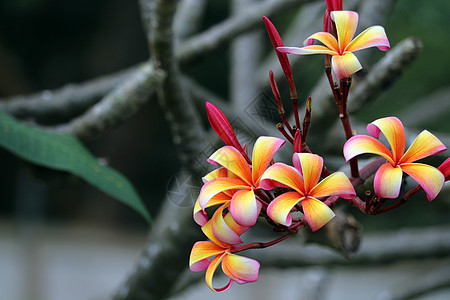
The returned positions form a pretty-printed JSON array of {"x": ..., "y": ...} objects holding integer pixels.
[{"x": 66, "y": 153}]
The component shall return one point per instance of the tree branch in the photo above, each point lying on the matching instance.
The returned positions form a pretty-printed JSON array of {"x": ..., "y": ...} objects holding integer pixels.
[
  {"x": 115, "y": 107},
  {"x": 385, "y": 72},
  {"x": 65, "y": 102}
]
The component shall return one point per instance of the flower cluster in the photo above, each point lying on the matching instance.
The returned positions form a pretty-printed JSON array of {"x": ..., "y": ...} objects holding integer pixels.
[{"x": 244, "y": 189}]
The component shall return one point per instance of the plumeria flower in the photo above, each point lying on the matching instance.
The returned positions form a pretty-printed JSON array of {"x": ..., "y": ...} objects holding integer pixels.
[
  {"x": 303, "y": 178},
  {"x": 244, "y": 206},
  {"x": 238, "y": 268},
  {"x": 388, "y": 178},
  {"x": 343, "y": 62}
]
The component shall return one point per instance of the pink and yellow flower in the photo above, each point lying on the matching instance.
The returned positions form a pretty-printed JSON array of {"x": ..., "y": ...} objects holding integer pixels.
[
  {"x": 243, "y": 206},
  {"x": 238, "y": 268},
  {"x": 303, "y": 178},
  {"x": 388, "y": 178},
  {"x": 343, "y": 62}
]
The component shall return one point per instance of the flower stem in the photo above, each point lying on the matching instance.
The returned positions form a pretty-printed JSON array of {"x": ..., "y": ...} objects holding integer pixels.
[
  {"x": 284, "y": 133},
  {"x": 402, "y": 201}
]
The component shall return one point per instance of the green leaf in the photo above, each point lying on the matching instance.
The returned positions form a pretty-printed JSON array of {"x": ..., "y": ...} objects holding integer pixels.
[{"x": 66, "y": 153}]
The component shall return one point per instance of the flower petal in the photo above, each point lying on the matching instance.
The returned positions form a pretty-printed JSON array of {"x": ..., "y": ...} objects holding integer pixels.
[
  {"x": 374, "y": 36},
  {"x": 334, "y": 5},
  {"x": 393, "y": 130},
  {"x": 282, "y": 175},
  {"x": 282, "y": 57},
  {"x": 313, "y": 49},
  {"x": 360, "y": 144},
  {"x": 387, "y": 181},
  {"x": 221, "y": 126},
  {"x": 198, "y": 261},
  {"x": 210, "y": 273},
  {"x": 231, "y": 159},
  {"x": 316, "y": 212},
  {"x": 346, "y": 23},
  {"x": 215, "y": 186},
  {"x": 233, "y": 225},
  {"x": 327, "y": 39},
  {"x": 217, "y": 173},
  {"x": 199, "y": 214},
  {"x": 240, "y": 269},
  {"x": 310, "y": 166},
  {"x": 279, "y": 209},
  {"x": 334, "y": 184},
  {"x": 345, "y": 65},
  {"x": 429, "y": 178},
  {"x": 445, "y": 169},
  {"x": 243, "y": 208},
  {"x": 263, "y": 152},
  {"x": 207, "y": 230},
  {"x": 425, "y": 144},
  {"x": 221, "y": 230}
]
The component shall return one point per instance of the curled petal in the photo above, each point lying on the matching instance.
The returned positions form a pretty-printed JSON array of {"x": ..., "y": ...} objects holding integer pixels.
[
  {"x": 429, "y": 178},
  {"x": 233, "y": 225},
  {"x": 445, "y": 169},
  {"x": 263, "y": 152},
  {"x": 310, "y": 166},
  {"x": 374, "y": 36},
  {"x": 360, "y": 144},
  {"x": 327, "y": 39},
  {"x": 240, "y": 269},
  {"x": 231, "y": 159},
  {"x": 345, "y": 65},
  {"x": 313, "y": 49},
  {"x": 316, "y": 212},
  {"x": 221, "y": 230},
  {"x": 425, "y": 144},
  {"x": 199, "y": 214},
  {"x": 334, "y": 184},
  {"x": 282, "y": 175},
  {"x": 244, "y": 208},
  {"x": 387, "y": 181},
  {"x": 346, "y": 23},
  {"x": 210, "y": 273},
  {"x": 279, "y": 209},
  {"x": 198, "y": 261},
  {"x": 221, "y": 126},
  {"x": 207, "y": 230},
  {"x": 215, "y": 186},
  {"x": 217, "y": 173},
  {"x": 393, "y": 130}
]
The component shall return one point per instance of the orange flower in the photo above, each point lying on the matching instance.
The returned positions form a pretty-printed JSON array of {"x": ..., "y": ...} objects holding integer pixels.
[
  {"x": 343, "y": 62},
  {"x": 388, "y": 178},
  {"x": 238, "y": 268},
  {"x": 304, "y": 180}
]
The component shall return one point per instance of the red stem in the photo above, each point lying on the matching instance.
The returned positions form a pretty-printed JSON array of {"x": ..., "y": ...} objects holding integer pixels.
[
  {"x": 284, "y": 133},
  {"x": 402, "y": 201}
]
